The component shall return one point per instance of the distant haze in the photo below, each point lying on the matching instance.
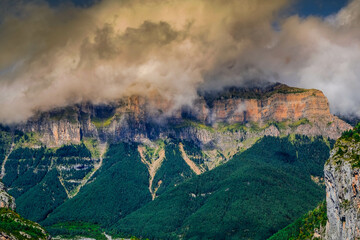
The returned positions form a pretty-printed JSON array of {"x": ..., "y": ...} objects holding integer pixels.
[{"x": 54, "y": 57}]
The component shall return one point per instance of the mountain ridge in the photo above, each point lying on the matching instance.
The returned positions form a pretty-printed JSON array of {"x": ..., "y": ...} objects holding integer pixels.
[{"x": 290, "y": 110}]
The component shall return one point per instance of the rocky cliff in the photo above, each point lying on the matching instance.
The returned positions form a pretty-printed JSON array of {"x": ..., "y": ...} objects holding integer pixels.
[
  {"x": 215, "y": 119},
  {"x": 343, "y": 188},
  {"x": 6, "y": 201}
]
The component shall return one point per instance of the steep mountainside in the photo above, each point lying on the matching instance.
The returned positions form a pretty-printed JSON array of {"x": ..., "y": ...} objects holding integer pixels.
[
  {"x": 252, "y": 196},
  {"x": 343, "y": 188},
  {"x": 341, "y": 211}
]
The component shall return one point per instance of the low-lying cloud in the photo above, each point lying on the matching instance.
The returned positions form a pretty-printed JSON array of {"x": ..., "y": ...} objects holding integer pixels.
[{"x": 53, "y": 57}]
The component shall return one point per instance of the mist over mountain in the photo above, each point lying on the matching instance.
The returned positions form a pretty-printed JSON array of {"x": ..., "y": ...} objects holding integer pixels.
[{"x": 59, "y": 56}]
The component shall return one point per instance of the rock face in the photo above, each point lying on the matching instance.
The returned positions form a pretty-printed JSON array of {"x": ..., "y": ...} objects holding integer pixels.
[
  {"x": 299, "y": 111},
  {"x": 343, "y": 191},
  {"x": 6, "y": 201}
]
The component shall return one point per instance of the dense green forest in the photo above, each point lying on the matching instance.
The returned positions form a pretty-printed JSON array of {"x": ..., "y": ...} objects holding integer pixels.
[
  {"x": 12, "y": 223},
  {"x": 121, "y": 186},
  {"x": 310, "y": 226},
  {"x": 69, "y": 230},
  {"x": 33, "y": 177},
  {"x": 252, "y": 196}
]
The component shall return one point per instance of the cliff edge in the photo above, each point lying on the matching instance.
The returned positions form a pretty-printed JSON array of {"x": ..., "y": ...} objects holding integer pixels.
[{"x": 343, "y": 188}]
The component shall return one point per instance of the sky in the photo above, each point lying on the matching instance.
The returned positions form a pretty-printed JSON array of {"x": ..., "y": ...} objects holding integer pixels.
[
  {"x": 304, "y": 8},
  {"x": 57, "y": 53}
]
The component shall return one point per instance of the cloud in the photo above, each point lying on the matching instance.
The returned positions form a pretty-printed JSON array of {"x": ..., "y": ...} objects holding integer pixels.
[{"x": 53, "y": 57}]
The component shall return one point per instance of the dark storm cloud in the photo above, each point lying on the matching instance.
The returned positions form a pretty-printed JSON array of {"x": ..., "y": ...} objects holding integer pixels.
[{"x": 53, "y": 57}]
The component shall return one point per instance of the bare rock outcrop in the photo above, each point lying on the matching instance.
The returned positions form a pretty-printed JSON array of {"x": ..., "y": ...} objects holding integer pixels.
[
  {"x": 6, "y": 201},
  {"x": 343, "y": 191}
]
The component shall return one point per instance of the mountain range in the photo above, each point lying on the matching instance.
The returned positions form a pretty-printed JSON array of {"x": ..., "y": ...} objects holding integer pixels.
[{"x": 240, "y": 163}]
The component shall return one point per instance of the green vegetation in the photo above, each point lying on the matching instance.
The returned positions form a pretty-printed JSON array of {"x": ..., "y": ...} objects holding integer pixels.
[
  {"x": 68, "y": 113},
  {"x": 302, "y": 121},
  {"x": 258, "y": 192},
  {"x": 305, "y": 227},
  {"x": 343, "y": 150},
  {"x": 74, "y": 230},
  {"x": 151, "y": 153},
  {"x": 174, "y": 169},
  {"x": 41, "y": 199},
  {"x": 73, "y": 150},
  {"x": 92, "y": 145},
  {"x": 39, "y": 178},
  {"x": 121, "y": 186},
  {"x": 195, "y": 124},
  {"x": 236, "y": 127},
  {"x": 250, "y": 93},
  {"x": 104, "y": 115},
  {"x": 13, "y": 224},
  {"x": 71, "y": 230},
  {"x": 5, "y": 142},
  {"x": 30, "y": 139},
  {"x": 252, "y": 196},
  {"x": 195, "y": 153},
  {"x": 102, "y": 122},
  {"x": 279, "y": 125},
  {"x": 352, "y": 134}
]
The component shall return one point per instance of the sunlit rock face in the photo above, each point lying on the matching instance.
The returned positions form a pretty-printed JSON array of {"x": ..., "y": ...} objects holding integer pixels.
[{"x": 274, "y": 110}]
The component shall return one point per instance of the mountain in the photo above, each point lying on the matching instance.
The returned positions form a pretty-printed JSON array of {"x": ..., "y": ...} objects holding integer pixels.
[
  {"x": 111, "y": 166},
  {"x": 273, "y": 110}
]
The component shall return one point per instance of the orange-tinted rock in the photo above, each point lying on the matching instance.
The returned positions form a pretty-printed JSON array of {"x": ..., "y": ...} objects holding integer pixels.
[
  {"x": 135, "y": 118},
  {"x": 311, "y": 104}
]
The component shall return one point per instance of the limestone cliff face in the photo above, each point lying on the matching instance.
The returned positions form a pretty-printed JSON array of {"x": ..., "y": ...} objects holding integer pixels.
[
  {"x": 6, "y": 201},
  {"x": 278, "y": 107},
  {"x": 135, "y": 118},
  {"x": 343, "y": 191}
]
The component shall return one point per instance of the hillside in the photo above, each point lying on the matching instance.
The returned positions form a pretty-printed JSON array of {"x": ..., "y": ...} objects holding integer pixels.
[
  {"x": 310, "y": 226},
  {"x": 338, "y": 218},
  {"x": 257, "y": 192},
  {"x": 12, "y": 225}
]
